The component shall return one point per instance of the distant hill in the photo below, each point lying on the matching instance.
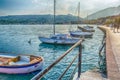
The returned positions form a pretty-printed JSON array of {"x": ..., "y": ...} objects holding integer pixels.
[
  {"x": 37, "y": 19},
  {"x": 106, "y": 12}
]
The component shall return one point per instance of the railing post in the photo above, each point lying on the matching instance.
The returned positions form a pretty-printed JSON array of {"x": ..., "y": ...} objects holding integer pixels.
[
  {"x": 41, "y": 74},
  {"x": 79, "y": 60}
]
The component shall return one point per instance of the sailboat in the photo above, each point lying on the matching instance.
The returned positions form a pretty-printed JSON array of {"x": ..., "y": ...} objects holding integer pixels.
[
  {"x": 86, "y": 28},
  {"x": 58, "y": 38},
  {"x": 20, "y": 64},
  {"x": 80, "y": 33}
]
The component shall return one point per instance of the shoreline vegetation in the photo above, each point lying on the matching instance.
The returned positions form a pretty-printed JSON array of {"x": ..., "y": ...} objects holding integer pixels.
[
  {"x": 38, "y": 19},
  {"x": 60, "y": 19},
  {"x": 106, "y": 20}
]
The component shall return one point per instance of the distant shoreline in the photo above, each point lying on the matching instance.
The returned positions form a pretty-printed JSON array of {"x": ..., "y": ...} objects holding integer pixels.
[
  {"x": 39, "y": 19},
  {"x": 46, "y": 24}
]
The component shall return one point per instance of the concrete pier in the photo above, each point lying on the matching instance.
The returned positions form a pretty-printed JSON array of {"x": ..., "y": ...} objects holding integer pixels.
[
  {"x": 112, "y": 58},
  {"x": 112, "y": 53},
  {"x": 90, "y": 75}
]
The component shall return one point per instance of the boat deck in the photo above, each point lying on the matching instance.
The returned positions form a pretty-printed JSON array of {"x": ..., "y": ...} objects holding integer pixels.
[{"x": 5, "y": 59}]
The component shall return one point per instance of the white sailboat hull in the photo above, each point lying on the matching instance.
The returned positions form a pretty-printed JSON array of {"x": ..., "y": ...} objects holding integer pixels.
[
  {"x": 22, "y": 69},
  {"x": 81, "y": 34},
  {"x": 86, "y": 29},
  {"x": 20, "y": 64},
  {"x": 58, "y": 41}
]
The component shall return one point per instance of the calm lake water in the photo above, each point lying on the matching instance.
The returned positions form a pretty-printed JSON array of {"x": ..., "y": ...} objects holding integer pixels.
[{"x": 14, "y": 40}]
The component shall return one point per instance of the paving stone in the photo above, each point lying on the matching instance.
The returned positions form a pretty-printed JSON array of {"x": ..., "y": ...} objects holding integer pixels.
[{"x": 91, "y": 75}]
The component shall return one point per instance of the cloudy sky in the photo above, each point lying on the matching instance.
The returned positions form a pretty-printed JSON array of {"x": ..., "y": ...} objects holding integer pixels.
[{"x": 24, "y": 7}]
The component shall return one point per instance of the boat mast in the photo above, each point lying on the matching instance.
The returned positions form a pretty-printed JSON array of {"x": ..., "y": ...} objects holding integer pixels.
[
  {"x": 78, "y": 12},
  {"x": 87, "y": 19},
  {"x": 54, "y": 17}
]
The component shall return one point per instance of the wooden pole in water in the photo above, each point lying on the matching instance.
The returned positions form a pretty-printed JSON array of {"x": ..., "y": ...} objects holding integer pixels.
[
  {"x": 79, "y": 60},
  {"x": 80, "y": 47},
  {"x": 87, "y": 19}
]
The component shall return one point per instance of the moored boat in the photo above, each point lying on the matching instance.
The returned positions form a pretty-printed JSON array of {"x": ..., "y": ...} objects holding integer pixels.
[
  {"x": 90, "y": 27},
  {"x": 59, "y": 39},
  {"x": 20, "y": 64},
  {"x": 81, "y": 34},
  {"x": 86, "y": 29}
]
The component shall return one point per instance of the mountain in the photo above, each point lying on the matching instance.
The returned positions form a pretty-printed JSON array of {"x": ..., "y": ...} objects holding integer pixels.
[
  {"x": 37, "y": 19},
  {"x": 105, "y": 13}
]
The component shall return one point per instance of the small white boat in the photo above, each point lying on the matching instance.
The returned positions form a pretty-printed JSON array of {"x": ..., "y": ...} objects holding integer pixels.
[
  {"x": 59, "y": 39},
  {"x": 86, "y": 29},
  {"x": 20, "y": 64},
  {"x": 80, "y": 33}
]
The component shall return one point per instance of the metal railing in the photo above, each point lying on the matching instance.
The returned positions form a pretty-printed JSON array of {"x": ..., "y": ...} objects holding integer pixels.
[
  {"x": 102, "y": 57},
  {"x": 78, "y": 44}
]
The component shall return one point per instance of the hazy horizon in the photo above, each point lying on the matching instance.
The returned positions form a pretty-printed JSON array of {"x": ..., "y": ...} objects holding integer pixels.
[{"x": 41, "y": 7}]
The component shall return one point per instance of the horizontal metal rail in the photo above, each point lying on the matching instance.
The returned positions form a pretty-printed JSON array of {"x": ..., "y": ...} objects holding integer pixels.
[
  {"x": 41, "y": 74},
  {"x": 102, "y": 57},
  {"x": 71, "y": 77},
  {"x": 101, "y": 48},
  {"x": 68, "y": 67}
]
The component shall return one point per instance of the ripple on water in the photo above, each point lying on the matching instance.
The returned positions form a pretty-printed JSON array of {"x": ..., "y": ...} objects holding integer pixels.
[{"x": 14, "y": 39}]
